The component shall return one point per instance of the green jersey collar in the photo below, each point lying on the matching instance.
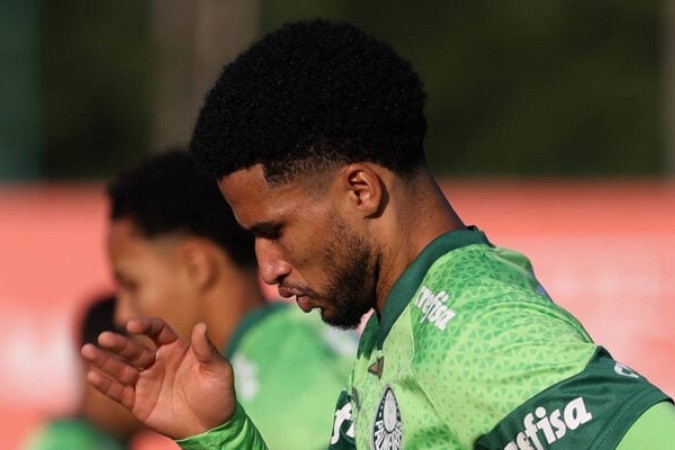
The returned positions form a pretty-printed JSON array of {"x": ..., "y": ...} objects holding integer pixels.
[
  {"x": 249, "y": 321},
  {"x": 408, "y": 283}
]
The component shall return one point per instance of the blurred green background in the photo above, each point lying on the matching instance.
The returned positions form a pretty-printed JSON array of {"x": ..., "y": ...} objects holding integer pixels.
[{"x": 517, "y": 88}]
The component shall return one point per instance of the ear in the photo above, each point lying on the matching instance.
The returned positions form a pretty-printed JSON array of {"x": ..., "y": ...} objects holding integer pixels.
[
  {"x": 199, "y": 263},
  {"x": 365, "y": 188}
]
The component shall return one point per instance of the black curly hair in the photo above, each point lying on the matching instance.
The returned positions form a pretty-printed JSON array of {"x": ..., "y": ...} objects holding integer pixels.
[
  {"x": 97, "y": 316},
  {"x": 309, "y": 96},
  {"x": 168, "y": 193}
]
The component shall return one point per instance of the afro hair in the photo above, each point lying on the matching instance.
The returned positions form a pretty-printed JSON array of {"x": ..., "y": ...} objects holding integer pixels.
[
  {"x": 312, "y": 94},
  {"x": 98, "y": 316}
]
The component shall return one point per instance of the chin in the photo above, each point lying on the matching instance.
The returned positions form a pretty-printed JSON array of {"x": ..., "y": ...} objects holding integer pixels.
[{"x": 329, "y": 318}]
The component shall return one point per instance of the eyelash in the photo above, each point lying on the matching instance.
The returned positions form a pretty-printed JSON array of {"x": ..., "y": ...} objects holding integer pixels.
[{"x": 272, "y": 234}]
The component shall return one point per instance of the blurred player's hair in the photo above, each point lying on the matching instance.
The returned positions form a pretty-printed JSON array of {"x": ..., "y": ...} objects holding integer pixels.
[
  {"x": 309, "y": 96},
  {"x": 167, "y": 193},
  {"x": 97, "y": 316}
]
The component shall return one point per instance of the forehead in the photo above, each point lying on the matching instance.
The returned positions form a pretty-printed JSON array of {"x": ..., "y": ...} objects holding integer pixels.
[
  {"x": 123, "y": 233},
  {"x": 254, "y": 200},
  {"x": 126, "y": 243}
]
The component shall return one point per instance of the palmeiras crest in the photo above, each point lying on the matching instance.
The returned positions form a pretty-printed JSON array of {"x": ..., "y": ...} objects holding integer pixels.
[{"x": 388, "y": 428}]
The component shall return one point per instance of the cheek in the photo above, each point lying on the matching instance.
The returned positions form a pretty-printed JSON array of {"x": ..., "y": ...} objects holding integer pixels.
[
  {"x": 302, "y": 255},
  {"x": 154, "y": 296},
  {"x": 172, "y": 299},
  {"x": 307, "y": 246}
]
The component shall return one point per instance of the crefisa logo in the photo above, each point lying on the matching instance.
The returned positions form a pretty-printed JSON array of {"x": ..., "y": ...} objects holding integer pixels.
[
  {"x": 388, "y": 427},
  {"x": 550, "y": 426}
]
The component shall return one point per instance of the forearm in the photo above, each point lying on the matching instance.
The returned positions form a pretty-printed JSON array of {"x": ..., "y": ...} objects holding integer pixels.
[{"x": 239, "y": 432}]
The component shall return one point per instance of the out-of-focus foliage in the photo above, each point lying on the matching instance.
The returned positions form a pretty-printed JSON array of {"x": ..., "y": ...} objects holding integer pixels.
[
  {"x": 524, "y": 86},
  {"x": 96, "y": 76},
  {"x": 515, "y": 87},
  {"x": 19, "y": 93}
]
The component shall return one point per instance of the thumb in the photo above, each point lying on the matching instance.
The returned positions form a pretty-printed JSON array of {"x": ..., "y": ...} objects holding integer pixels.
[{"x": 203, "y": 348}]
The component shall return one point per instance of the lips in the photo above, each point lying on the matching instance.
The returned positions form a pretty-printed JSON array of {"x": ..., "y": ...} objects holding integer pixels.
[
  {"x": 302, "y": 297},
  {"x": 287, "y": 292}
]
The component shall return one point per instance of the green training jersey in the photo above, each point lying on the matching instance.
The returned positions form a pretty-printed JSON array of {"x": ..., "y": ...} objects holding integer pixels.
[
  {"x": 289, "y": 366},
  {"x": 72, "y": 433},
  {"x": 470, "y": 353}
]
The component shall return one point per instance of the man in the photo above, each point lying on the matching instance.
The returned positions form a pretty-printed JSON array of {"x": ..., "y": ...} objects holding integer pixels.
[
  {"x": 99, "y": 423},
  {"x": 315, "y": 135},
  {"x": 177, "y": 252}
]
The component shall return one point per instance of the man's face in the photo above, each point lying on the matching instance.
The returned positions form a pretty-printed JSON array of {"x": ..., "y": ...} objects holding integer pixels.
[
  {"x": 152, "y": 279},
  {"x": 304, "y": 245}
]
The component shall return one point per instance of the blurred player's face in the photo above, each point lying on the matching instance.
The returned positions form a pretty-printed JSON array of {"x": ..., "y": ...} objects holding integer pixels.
[
  {"x": 152, "y": 278},
  {"x": 304, "y": 246}
]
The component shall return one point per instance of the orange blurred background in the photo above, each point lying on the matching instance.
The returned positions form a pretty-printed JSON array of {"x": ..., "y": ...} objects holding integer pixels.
[{"x": 605, "y": 250}]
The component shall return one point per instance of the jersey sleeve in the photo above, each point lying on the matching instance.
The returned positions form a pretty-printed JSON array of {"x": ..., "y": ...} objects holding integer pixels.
[
  {"x": 239, "y": 432},
  {"x": 653, "y": 429},
  {"x": 593, "y": 409}
]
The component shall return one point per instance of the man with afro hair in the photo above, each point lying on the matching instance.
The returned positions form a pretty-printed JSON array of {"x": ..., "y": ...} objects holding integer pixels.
[{"x": 315, "y": 137}]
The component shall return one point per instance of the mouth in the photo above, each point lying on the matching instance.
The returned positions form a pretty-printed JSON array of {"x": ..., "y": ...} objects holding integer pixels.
[
  {"x": 301, "y": 297},
  {"x": 288, "y": 292}
]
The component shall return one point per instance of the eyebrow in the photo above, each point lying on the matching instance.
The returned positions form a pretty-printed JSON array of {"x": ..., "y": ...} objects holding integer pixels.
[{"x": 119, "y": 277}]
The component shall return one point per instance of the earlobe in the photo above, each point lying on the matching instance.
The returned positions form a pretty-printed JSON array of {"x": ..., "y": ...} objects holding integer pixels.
[{"x": 199, "y": 266}]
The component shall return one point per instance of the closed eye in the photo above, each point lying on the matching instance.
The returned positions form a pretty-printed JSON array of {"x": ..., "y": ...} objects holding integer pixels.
[
  {"x": 266, "y": 230},
  {"x": 125, "y": 283}
]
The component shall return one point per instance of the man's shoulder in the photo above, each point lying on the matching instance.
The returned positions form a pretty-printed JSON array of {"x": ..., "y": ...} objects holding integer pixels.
[{"x": 495, "y": 311}]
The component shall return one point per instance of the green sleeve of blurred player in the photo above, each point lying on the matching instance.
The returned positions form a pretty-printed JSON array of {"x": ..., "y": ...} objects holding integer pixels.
[{"x": 72, "y": 434}]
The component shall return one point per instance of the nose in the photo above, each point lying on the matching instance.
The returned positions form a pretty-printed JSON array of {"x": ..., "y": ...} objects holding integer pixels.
[
  {"x": 123, "y": 310},
  {"x": 273, "y": 268}
]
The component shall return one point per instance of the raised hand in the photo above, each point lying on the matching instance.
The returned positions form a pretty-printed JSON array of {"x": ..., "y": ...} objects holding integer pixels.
[{"x": 178, "y": 389}]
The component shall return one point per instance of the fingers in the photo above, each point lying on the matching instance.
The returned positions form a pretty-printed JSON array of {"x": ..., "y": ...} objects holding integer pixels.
[
  {"x": 203, "y": 348},
  {"x": 153, "y": 327},
  {"x": 131, "y": 350},
  {"x": 107, "y": 363},
  {"x": 117, "y": 391}
]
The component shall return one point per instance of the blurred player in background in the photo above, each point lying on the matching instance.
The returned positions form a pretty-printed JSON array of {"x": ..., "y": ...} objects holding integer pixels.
[
  {"x": 99, "y": 423},
  {"x": 177, "y": 252}
]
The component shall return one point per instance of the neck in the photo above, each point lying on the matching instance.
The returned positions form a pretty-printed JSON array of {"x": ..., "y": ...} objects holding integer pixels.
[{"x": 418, "y": 213}]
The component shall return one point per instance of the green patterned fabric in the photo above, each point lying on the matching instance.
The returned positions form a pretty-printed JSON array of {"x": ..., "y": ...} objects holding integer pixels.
[
  {"x": 73, "y": 434},
  {"x": 467, "y": 336}
]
